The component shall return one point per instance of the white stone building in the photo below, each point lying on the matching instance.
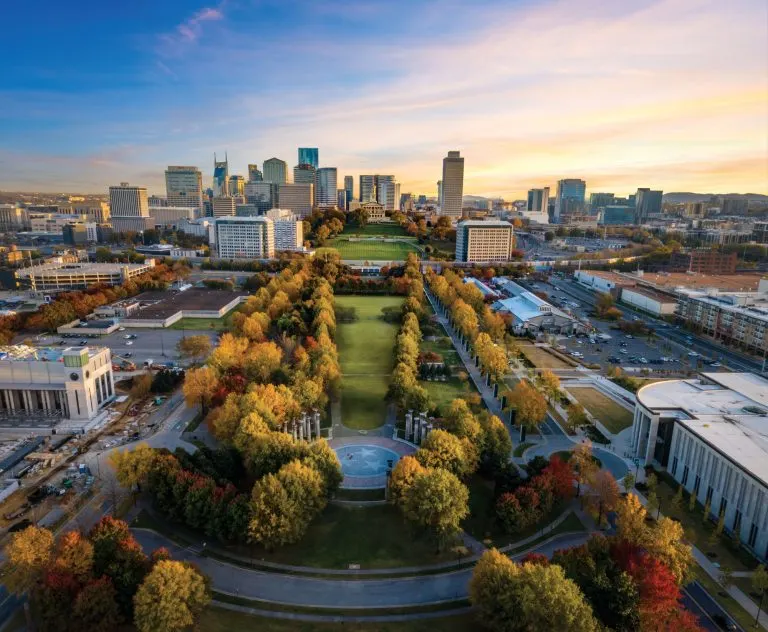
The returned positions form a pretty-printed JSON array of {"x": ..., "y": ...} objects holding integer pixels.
[
  {"x": 289, "y": 229},
  {"x": 243, "y": 238},
  {"x": 710, "y": 435}
]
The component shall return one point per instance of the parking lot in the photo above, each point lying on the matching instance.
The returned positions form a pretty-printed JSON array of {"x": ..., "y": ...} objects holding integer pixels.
[{"x": 155, "y": 344}]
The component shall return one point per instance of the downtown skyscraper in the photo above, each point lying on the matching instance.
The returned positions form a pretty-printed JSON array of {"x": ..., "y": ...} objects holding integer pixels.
[
  {"x": 309, "y": 156},
  {"x": 453, "y": 185},
  {"x": 326, "y": 194},
  {"x": 275, "y": 171},
  {"x": 570, "y": 197},
  {"x": 184, "y": 187},
  {"x": 220, "y": 177}
]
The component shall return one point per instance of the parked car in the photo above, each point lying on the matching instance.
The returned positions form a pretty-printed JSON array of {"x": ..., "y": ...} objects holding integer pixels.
[
  {"x": 121, "y": 329},
  {"x": 129, "y": 343}
]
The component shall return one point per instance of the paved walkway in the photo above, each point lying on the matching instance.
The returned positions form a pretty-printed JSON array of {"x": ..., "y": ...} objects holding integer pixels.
[
  {"x": 294, "y": 590},
  {"x": 401, "y": 448}
]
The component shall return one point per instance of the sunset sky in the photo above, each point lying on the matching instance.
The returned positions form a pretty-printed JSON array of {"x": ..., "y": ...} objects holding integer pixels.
[{"x": 671, "y": 94}]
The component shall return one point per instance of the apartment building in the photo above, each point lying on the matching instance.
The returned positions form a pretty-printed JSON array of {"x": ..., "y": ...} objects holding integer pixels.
[
  {"x": 243, "y": 238},
  {"x": 479, "y": 241},
  {"x": 289, "y": 229}
]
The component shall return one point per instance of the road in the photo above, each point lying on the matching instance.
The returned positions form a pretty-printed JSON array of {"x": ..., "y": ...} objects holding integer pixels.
[{"x": 698, "y": 600}]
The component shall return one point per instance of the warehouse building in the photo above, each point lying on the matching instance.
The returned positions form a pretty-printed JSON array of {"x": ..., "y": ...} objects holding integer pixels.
[
  {"x": 709, "y": 434},
  {"x": 649, "y": 300},
  {"x": 531, "y": 313}
]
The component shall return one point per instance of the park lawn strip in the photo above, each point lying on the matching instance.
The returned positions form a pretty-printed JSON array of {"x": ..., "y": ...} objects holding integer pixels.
[
  {"x": 519, "y": 449},
  {"x": 613, "y": 416},
  {"x": 541, "y": 358},
  {"x": 366, "y": 356},
  {"x": 360, "y": 495},
  {"x": 369, "y": 230},
  {"x": 372, "y": 250},
  {"x": 443, "y": 393},
  {"x": 222, "y": 620}
]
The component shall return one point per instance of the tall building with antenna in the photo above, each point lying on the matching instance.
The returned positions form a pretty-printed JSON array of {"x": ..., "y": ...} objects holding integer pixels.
[{"x": 220, "y": 176}]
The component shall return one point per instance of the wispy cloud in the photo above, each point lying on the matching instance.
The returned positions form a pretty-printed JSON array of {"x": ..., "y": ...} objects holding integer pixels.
[{"x": 190, "y": 30}]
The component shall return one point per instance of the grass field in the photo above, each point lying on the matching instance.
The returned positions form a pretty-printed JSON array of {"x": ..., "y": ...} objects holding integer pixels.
[
  {"x": 221, "y": 620},
  {"x": 542, "y": 359},
  {"x": 443, "y": 393},
  {"x": 387, "y": 230},
  {"x": 214, "y": 324},
  {"x": 366, "y": 355},
  {"x": 371, "y": 250},
  {"x": 614, "y": 417}
]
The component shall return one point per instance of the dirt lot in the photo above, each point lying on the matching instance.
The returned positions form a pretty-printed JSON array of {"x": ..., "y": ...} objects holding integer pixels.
[{"x": 542, "y": 358}]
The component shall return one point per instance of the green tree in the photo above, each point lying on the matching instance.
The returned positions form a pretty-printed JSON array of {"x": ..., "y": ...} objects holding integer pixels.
[
  {"x": 629, "y": 481},
  {"x": 323, "y": 458},
  {"x": 676, "y": 503},
  {"x": 759, "y": 581},
  {"x": 691, "y": 502},
  {"x": 496, "y": 445},
  {"x": 514, "y": 597},
  {"x": 577, "y": 416},
  {"x": 170, "y": 598},
  {"x": 437, "y": 501}
]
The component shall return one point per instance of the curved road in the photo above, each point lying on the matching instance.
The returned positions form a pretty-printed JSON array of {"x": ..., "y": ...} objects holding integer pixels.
[{"x": 333, "y": 593}]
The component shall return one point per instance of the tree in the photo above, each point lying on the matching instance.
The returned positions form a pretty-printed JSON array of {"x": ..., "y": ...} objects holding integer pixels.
[
  {"x": 604, "y": 303},
  {"x": 496, "y": 445},
  {"x": 529, "y": 405},
  {"x": 677, "y": 500},
  {"x": 726, "y": 577},
  {"x": 630, "y": 520},
  {"x": 442, "y": 449},
  {"x": 170, "y": 598},
  {"x": 577, "y": 416},
  {"x": 604, "y": 493},
  {"x": 95, "y": 608},
  {"x": 550, "y": 384},
  {"x": 666, "y": 544},
  {"x": 28, "y": 555},
  {"x": 514, "y": 597},
  {"x": 628, "y": 481},
  {"x": 74, "y": 555},
  {"x": 323, "y": 458},
  {"x": 133, "y": 466},
  {"x": 562, "y": 475},
  {"x": 403, "y": 475},
  {"x": 194, "y": 348},
  {"x": 759, "y": 583},
  {"x": 437, "y": 501},
  {"x": 275, "y": 517},
  {"x": 652, "y": 503},
  {"x": 229, "y": 354},
  {"x": 262, "y": 360},
  {"x": 142, "y": 385},
  {"x": 200, "y": 385},
  {"x": 583, "y": 464}
]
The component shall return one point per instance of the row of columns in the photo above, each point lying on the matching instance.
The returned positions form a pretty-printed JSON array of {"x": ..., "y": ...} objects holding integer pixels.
[
  {"x": 25, "y": 402},
  {"x": 303, "y": 428},
  {"x": 417, "y": 428}
]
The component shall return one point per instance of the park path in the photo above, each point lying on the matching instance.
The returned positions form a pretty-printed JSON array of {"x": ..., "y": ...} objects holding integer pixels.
[{"x": 294, "y": 590}]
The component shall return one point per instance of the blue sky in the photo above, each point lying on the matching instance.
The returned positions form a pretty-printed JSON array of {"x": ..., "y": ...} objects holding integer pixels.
[{"x": 667, "y": 93}]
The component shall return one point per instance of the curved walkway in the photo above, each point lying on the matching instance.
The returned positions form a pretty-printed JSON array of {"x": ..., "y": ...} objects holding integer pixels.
[
  {"x": 293, "y": 590},
  {"x": 613, "y": 463}
]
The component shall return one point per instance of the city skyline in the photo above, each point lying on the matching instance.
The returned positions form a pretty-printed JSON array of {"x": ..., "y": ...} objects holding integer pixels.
[{"x": 524, "y": 103}]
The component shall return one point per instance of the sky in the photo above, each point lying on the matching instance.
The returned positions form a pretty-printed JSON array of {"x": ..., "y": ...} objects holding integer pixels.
[{"x": 668, "y": 94}]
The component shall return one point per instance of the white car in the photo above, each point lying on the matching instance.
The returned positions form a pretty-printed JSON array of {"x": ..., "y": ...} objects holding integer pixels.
[
  {"x": 623, "y": 351},
  {"x": 716, "y": 364},
  {"x": 127, "y": 336},
  {"x": 129, "y": 343},
  {"x": 693, "y": 354},
  {"x": 121, "y": 329},
  {"x": 643, "y": 361}
]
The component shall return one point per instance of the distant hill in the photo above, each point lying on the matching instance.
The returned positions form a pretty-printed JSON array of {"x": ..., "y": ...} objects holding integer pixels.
[
  {"x": 474, "y": 198},
  {"x": 684, "y": 197}
]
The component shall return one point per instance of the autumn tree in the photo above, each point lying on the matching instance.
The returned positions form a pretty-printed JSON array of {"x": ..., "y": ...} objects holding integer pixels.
[
  {"x": 28, "y": 555},
  {"x": 667, "y": 544},
  {"x": 631, "y": 520},
  {"x": 583, "y": 464},
  {"x": 262, "y": 360},
  {"x": 549, "y": 384},
  {"x": 529, "y": 405},
  {"x": 513, "y": 597},
  {"x": 403, "y": 475},
  {"x": 74, "y": 555},
  {"x": 229, "y": 353},
  {"x": 95, "y": 608},
  {"x": 195, "y": 348},
  {"x": 142, "y": 386},
  {"x": 437, "y": 501},
  {"x": 443, "y": 449},
  {"x": 577, "y": 416},
  {"x": 496, "y": 444},
  {"x": 604, "y": 493},
  {"x": 200, "y": 385},
  {"x": 132, "y": 466},
  {"x": 171, "y": 597}
]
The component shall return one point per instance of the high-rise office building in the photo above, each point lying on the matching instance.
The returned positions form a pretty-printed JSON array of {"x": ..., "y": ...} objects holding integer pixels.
[
  {"x": 289, "y": 229},
  {"x": 236, "y": 185},
  {"x": 98, "y": 212},
  {"x": 325, "y": 193},
  {"x": 341, "y": 199},
  {"x": 599, "y": 201},
  {"x": 538, "y": 200},
  {"x": 453, "y": 185},
  {"x": 306, "y": 174},
  {"x": 481, "y": 241},
  {"x": 296, "y": 197},
  {"x": 367, "y": 189},
  {"x": 309, "y": 156},
  {"x": 261, "y": 194},
  {"x": 570, "y": 197},
  {"x": 275, "y": 171},
  {"x": 349, "y": 186},
  {"x": 220, "y": 176},
  {"x": 184, "y": 188},
  {"x": 647, "y": 203},
  {"x": 385, "y": 191},
  {"x": 243, "y": 238},
  {"x": 224, "y": 206},
  {"x": 130, "y": 209},
  {"x": 439, "y": 192},
  {"x": 254, "y": 174}
]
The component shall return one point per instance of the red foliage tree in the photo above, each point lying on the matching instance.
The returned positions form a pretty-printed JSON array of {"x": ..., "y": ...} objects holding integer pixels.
[
  {"x": 535, "y": 558},
  {"x": 563, "y": 477}
]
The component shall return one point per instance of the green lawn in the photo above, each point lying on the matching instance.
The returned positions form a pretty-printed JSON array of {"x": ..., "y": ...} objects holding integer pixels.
[
  {"x": 443, "y": 393},
  {"x": 221, "y": 620},
  {"x": 366, "y": 355},
  {"x": 387, "y": 230},
  {"x": 614, "y": 417},
  {"x": 371, "y": 250}
]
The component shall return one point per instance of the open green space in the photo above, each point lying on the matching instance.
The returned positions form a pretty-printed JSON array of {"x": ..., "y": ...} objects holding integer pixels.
[
  {"x": 372, "y": 250},
  {"x": 369, "y": 230},
  {"x": 541, "y": 358},
  {"x": 613, "y": 416},
  {"x": 366, "y": 355},
  {"x": 443, "y": 393},
  {"x": 220, "y": 620}
]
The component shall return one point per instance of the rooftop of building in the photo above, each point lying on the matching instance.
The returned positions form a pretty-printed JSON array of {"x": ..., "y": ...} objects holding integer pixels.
[
  {"x": 162, "y": 304},
  {"x": 615, "y": 277},
  {"x": 744, "y": 282},
  {"x": 729, "y": 411},
  {"x": 485, "y": 223},
  {"x": 242, "y": 219},
  {"x": 652, "y": 294},
  {"x": 84, "y": 268},
  {"x": 522, "y": 304},
  {"x": 744, "y": 303},
  {"x": 486, "y": 291},
  {"x": 25, "y": 353}
]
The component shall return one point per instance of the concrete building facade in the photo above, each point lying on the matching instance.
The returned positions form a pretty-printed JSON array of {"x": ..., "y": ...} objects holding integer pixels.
[
  {"x": 243, "y": 238},
  {"x": 483, "y": 241},
  {"x": 296, "y": 197},
  {"x": 79, "y": 276},
  {"x": 452, "y": 198},
  {"x": 130, "y": 209},
  {"x": 289, "y": 229},
  {"x": 275, "y": 171},
  {"x": 184, "y": 188}
]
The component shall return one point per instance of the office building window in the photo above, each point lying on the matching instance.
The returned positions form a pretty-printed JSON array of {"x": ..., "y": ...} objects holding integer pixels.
[
  {"x": 696, "y": 485},
  {"x": 710, "y": 491},
  {"x": 685, "y": 475},
  {"x": 674, "y": 466},
  {"x": 723, "y": 506},
  {"x": 752, "y": 535}
]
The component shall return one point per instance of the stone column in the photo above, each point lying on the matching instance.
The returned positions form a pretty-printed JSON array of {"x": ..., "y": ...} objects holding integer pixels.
[
  {"x": 316, "y": 418},
  {"x": 293, "y": 429},
  {"x": 303, "y": 425},
  {"x": 301, "y": 430},
  {"x": 409, "y": 425}
]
